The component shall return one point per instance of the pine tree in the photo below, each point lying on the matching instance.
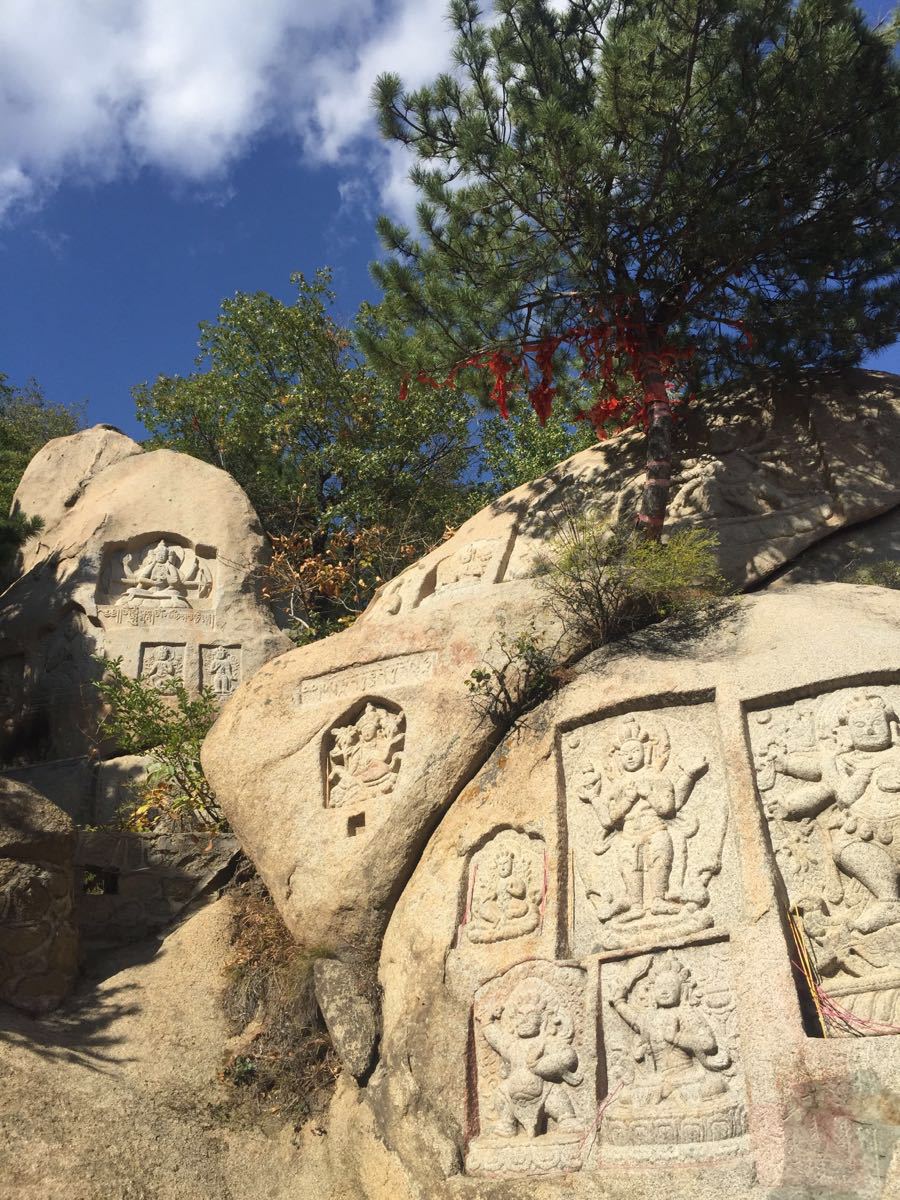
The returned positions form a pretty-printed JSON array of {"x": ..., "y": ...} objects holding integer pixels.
[{"x": 626, "y": 199}]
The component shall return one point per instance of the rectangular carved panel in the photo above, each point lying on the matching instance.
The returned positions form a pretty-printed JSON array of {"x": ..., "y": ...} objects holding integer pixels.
[
  {"x": 828, "y": 777},
  {"x": 646, "y": 815},
  {"x": 675, "y": 1080}
]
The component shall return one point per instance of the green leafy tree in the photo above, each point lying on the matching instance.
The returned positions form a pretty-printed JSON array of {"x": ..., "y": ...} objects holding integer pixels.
[
  {"x": 350, "y": 481},
  {"x": 624, "y": 201},
  {"x": 27, "y": 422}
]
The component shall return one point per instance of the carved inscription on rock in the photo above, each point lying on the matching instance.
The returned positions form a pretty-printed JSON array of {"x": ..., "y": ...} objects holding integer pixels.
[
  {"x": 156, "y": 576},
  {"x": 671, "y": 1051},
  {"x": 161, "y": 664},
  {"x": 533, "y": 1077},
  {"x": 220, "y": 669},
  {"x": 828, "y": 775},
  {"x": 364, "y": 755},
  {"x": 506, "y": 888},
  {"x": 647, "y": 813},
  {"x": 389, "y": 672}
]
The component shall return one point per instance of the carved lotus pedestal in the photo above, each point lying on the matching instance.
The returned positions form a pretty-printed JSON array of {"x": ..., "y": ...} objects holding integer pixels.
[{"x": 550, "y": 1154}]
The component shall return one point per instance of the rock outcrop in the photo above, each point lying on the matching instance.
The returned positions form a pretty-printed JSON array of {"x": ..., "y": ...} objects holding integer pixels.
[
  {"x": 151, "y": 557},
  {"x": 38, "y": 939},
  {"x": 610, "y": 945}
]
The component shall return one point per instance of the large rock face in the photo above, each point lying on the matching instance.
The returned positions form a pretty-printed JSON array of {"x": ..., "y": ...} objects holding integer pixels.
[
  {"x": 584, "y": 934},
  {"x": 151, "y": 557}
]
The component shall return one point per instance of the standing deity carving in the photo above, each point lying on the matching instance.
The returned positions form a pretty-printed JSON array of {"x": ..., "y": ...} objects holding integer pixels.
[
  {"x": 223, "y": 671},
  {"x": 531, "y": 1071},
  {"x": 365, "y": 756},
  {"x": 672, "y": 1068},
  {"x": 648, "y": 869},
  {"x": 828, "y": 773},
  {"x": 506, "y": 888}
]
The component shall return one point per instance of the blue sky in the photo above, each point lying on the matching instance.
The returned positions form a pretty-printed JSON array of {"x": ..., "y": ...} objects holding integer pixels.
[{"x": 156, "y": 157}]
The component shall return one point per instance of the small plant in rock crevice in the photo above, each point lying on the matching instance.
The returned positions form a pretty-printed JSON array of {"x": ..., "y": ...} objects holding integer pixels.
[
  {"x": 603, "y": 580},
  {"x": 168, "y": 724},
  {"x": 517, "y": 673}
]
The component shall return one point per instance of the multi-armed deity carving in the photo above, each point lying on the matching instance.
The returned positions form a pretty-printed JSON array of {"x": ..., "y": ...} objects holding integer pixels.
[
  {"x": 506, "y": 888},
  {"x": 672, "y": 1066},
  {"x": 828, "y": 773},
  {"x": 533, "y": 1088},
  {"x": 156, "y": 578},
  {"x": 648, "y": 861},
  {"x": 364, "y": 756}
]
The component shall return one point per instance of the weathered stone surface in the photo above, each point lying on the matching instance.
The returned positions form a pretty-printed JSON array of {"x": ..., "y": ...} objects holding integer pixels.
[
  {"x": 582, "y": 934},
  {"x": 130, "y": 885},
  {"x": 38, "y": 942},
  {"x": 148, "y": 556},
  {"x": 668, "y": 1041},
  {"x": 349, "y": 1015}
]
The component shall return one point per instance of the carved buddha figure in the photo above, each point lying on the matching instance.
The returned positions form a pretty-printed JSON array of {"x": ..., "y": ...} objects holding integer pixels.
[
  {"x": 857, "y": 772},
  {"x": 676, "y": 1048},
  {"x": 161, "y": 667},
  {"x": 505, "y": 899},
  {"x": 533, "y": 1034}
]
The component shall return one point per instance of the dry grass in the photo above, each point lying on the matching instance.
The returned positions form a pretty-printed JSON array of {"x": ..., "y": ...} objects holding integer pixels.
[{"x": 282, "y": 1062}]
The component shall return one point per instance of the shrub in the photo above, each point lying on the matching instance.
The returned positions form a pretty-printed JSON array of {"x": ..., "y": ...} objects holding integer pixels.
[
  {"x": 517, "y": 673},
  {"x": 604, "y": 580},
  {"x": 285, "y": 1057},
  {"x": 885, "y": 573},
  {"x": 170, "y": 725}
]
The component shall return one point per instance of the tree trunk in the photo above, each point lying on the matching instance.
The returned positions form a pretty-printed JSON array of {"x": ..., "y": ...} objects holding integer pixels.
[{"x": 655, "y": 498}]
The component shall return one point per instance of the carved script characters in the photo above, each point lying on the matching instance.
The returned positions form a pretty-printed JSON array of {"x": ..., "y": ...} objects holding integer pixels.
[
  {"x": 644, "y": 839},
  {"x": 506, "y": 888},
  {"x": 533, "y": 1034},
  {"x": 365, "y": 756}
]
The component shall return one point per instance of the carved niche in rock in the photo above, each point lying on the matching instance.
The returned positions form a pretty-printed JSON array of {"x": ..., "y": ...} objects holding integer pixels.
[
  {"x": 364, "y": 754},
  {"x": 671, "y": 1050},
  {"x": 473, "y": 563},
  {"x": 646, "y": 818},
  {"x": 534, "y": 1067},
  {"x": 506, "y": 887},
  {"x": 220, "y": 669},
  {"x": 156, "y": 579},
  {"x": 828, "y": 775},
  {"x": 161, "y": 665}
]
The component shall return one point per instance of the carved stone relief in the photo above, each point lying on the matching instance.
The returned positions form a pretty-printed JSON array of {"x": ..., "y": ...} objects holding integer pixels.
[
  {"x": 471, "y": 564},
  {"x": 647, "y": 814},
  {"x": 534, "y": 1071},
  {"x": 364, "y": 755},
  {"x": 506, "y": 887},
  {"x": 670, "y": 1041},
  {"x": 161, "y": 664},
  {"x": 154, "y": 579},
  {"x": 402, "y": 671},
  {"x": 220, "y": 669},
  {"x": 828, "y": 775}
]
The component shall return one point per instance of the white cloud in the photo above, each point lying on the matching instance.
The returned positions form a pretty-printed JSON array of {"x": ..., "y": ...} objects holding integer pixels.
[{"x": 94, "y": 88}]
